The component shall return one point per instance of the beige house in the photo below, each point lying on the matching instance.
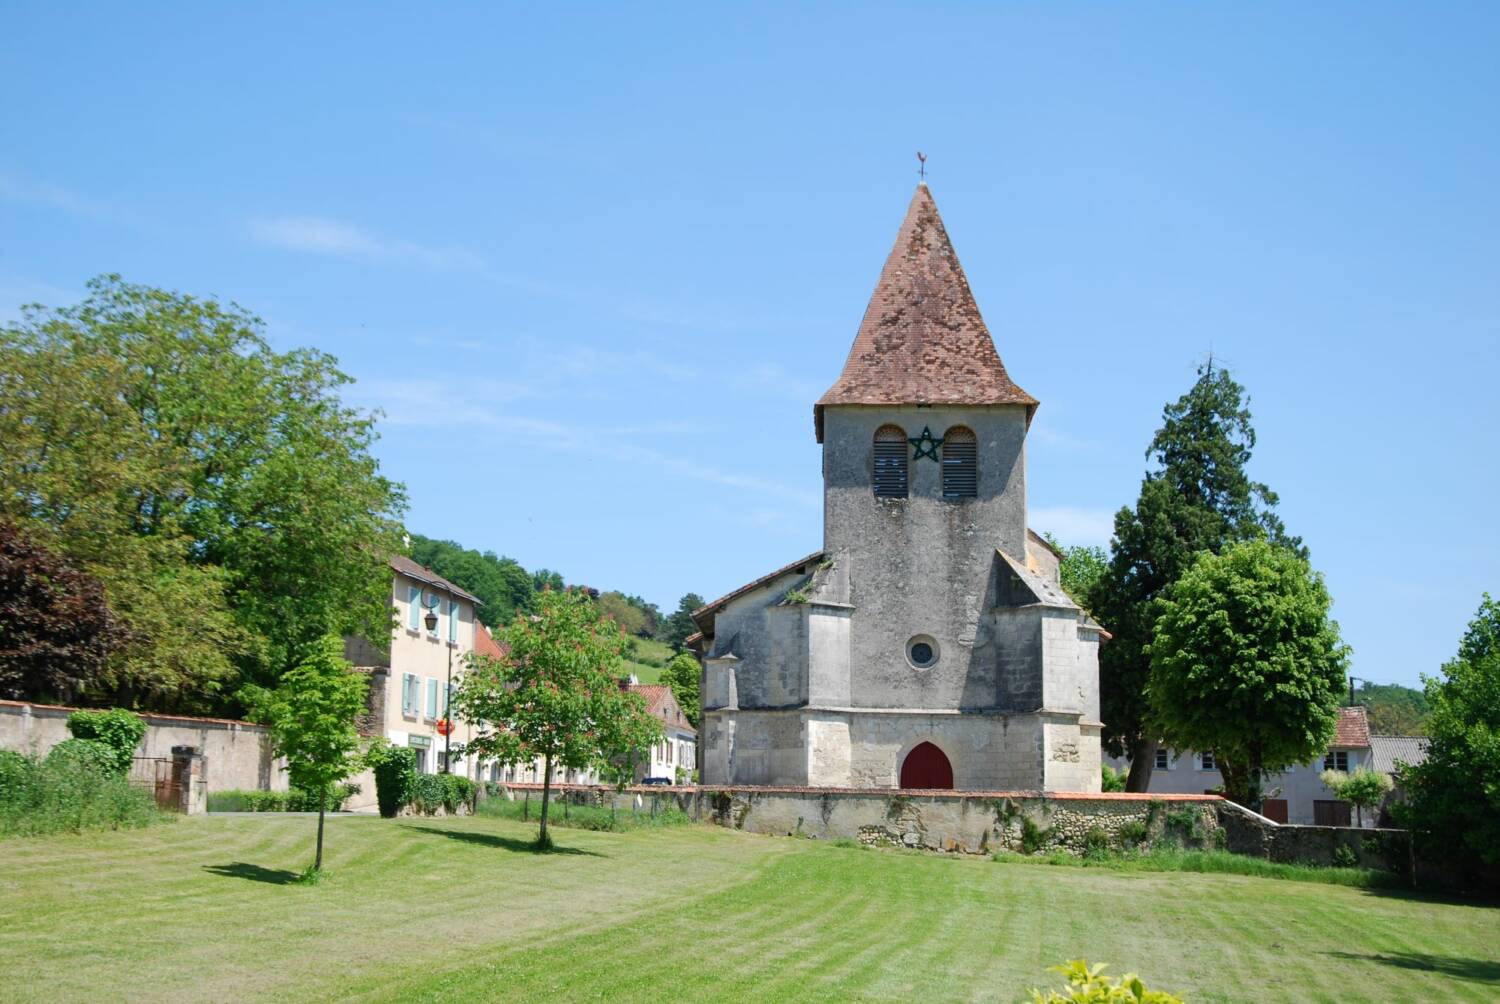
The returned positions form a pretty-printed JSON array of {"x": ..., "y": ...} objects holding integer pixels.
[
  {"x": 675, "y": 757},
  {"x": 409, "y": 685}
]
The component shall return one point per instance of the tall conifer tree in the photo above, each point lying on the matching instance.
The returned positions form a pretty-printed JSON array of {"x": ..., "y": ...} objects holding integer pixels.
[{"x": 1197, "y": 498}]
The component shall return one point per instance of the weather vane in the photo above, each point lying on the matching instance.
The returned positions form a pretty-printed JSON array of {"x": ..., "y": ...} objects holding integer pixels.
[{"x": 921, "y": 165}]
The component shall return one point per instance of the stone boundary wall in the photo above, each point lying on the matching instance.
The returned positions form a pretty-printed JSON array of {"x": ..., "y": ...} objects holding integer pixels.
[
  {"x": 971, "y": 822},
  {"x": 237, "y": 755},
  {"x": 1254, "y": 835}
]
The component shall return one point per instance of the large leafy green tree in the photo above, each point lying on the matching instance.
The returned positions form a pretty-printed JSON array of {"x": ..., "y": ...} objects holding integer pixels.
[
  {"x": 504, "y": 587},
  {"x": 555, "y": 694},
  {"x": 1197, "y": 498},
  {"x": 1246, "y": 663},
  {"x": 221, "y": 491},
  {"x": 1081, "y": 567},
  {"x": 56, "y": 630},
  {"x": 311, "y": 717},
  {"x": 1453, "y": 797},
  {"x": 1394, "y": 710}
]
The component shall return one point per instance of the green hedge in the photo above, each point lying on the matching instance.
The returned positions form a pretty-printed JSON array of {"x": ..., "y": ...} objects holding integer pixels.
[
  {"x": 68, "y": 794},
  {"x": 447, "y": 791},
  {"x": 395, "y": 770},
  {"x": 120, "y": 731},
  {"x": 291, "y": 800}
]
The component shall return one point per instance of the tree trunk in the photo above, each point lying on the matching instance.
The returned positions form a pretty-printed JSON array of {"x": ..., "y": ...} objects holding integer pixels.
[
  {"x": 322, "y": 803},
  {"x": 1142, "y": 763},
  {"x": 546, "y": 793}
]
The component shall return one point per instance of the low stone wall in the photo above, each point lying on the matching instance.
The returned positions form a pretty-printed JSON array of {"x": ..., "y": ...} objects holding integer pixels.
[
  {"x": 971, "y": 822},
  {"x": 1254, "y": 835},
  {"x": 237, "y": 755}
]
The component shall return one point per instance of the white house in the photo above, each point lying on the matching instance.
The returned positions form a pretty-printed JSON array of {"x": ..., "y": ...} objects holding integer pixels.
[
  {"x": 675, "y": 757},
  {"x": 1296, "y": 795}
]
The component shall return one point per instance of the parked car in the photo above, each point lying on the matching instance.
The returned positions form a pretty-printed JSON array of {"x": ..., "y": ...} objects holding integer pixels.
[{"x": 657, "y": 780}]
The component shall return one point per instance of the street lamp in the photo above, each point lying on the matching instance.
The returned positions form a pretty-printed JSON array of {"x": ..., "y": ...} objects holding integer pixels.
[{"x": 445, "y": 724}]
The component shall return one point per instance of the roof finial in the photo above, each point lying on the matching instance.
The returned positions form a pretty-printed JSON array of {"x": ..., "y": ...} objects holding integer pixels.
[{"x": 922, "y": 167}]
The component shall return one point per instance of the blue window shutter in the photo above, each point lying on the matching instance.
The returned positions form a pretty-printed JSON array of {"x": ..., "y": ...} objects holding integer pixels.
[
  {"x": 406, "y": 693},
  {"x": 414, "y": 604},
  {"x": 432, "y": 692},
  {"x": 453, "y": 620}
]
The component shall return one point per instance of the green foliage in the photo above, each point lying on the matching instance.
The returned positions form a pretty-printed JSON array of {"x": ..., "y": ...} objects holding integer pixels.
[
  {"x": 1198, "y": 498},
  {"x": 554, "y": 696},
  {"x": 1033, "y": 837},
  {"x": 1363, "y": 789},
  {"x": 1453, "y": 797},
  {"x": 1185, "y": 826},
  {"x": 1394, "y": 710},
  {"x": 797, "y": 597},
  {"x": 1090, "y": 986},
  {"x": 448, "y": 792},
  {"x": 221, "y": 491},
  {"x": 501, "y": 583},
  {"x": 1111, "y": 779},
  {"x": 310, "y": 716},
  {"x": 1344, "y": 857},
  {"x": 594, "y": 817},
  {"x": 679, "y": 627},
  {"x": 395, "y": 770},
  {"x": 69, "y": 794},
  {"x": 1246, "y": 662},
  {"x": 291, "y": 800},
  {"x": 1173, "y": 859},
  {"x": 1133, "y": 833},
  {"x": 86, "y": 754},
  {"x": 1096, "y": 842},
  {"x": 56, "y": 629},
  {"x": 120, "y": 730},
  {"x": 1081, "y": 567},
  {"x": 682, "y": 675}
]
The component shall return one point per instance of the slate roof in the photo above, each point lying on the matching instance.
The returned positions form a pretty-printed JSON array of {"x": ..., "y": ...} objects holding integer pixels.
[
  {"x": 1385, "y": 751},
  {"x": 922, "y": 340},
  {"x": 1353, "y": 728},
  {"x": 411, "y": 569}
]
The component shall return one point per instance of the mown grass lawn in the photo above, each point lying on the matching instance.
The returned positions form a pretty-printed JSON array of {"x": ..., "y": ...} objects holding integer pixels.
[{"x": 204, "y": 909}]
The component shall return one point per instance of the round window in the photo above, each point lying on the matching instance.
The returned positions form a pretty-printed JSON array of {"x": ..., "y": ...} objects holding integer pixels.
[{"x": 922, "y": 651}]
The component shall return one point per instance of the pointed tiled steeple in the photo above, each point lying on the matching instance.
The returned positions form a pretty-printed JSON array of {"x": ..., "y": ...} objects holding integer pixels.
[{"x": 922, "y": 340}]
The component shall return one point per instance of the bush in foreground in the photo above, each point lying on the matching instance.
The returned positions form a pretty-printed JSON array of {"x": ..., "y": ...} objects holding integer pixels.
[
  {"x": 1090, "y": 986},
  {"x": 67, "y": 795},
  {"x": 395, "y": 770},
  {"x": 119, "y": 731},
  {"x": 291, "y": 800}
]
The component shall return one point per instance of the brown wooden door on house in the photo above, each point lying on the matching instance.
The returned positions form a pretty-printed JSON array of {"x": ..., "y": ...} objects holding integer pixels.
[
  {"x": 1330, "y": 813},
  {"x": 1274, "y": 809}
]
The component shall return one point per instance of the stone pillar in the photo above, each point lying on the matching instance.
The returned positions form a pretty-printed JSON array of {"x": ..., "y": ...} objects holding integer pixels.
[{"x": 190, "y": 774}]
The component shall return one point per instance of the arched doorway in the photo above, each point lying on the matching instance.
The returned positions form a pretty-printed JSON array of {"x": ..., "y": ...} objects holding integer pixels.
[{"x": 926, "y": 766}]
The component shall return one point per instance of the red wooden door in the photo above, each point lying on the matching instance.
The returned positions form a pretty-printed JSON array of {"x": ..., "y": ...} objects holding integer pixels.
[
  {"x": 1274, "y": 809},
  {"x": 1330, "y": 813},
  {"x": 926, "y": 766}
]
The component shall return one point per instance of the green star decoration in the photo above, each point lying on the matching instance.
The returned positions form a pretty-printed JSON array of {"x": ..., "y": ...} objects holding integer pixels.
[{"x": 926, "y": 445}]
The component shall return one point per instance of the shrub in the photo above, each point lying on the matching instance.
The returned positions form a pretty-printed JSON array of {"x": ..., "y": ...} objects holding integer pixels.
[
  {"x": 1185, "y": 825},
  {"x": 428, "y": 793},
  {"x": 395, "y": 769},
  {"x": 1096, "y": 842},
  {"x": 457, "y": 790},
  {"x": 86, "y": 754},
  {"x": 1090, "y": 986},
  {"x": 67, "y": 794},
  {"x": 119, "y": 730},
  {"x": 591, "y": 817},
  {"x": 1111, "y": 779},
  {"x": 1344, "y": 857},
  {"x": 1133, "y": 833},
  {"x": 1033, "y": 837},
  {"x": 291, "y": 800}
]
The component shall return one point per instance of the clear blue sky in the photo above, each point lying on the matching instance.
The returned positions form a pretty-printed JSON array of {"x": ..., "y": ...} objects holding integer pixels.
[{"x": 596, "y": 263}]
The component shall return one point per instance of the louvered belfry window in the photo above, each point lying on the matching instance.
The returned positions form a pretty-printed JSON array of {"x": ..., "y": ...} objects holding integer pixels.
[
  {"x": 890, "y": 462},
  {"x": 960, "y": 464}
]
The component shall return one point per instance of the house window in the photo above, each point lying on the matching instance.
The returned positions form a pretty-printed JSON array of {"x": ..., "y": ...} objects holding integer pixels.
[
  {"x": 960, "y": 464},
  {"x": 889, "y": 477},
  {"x": 413, "y": 608},
  {"x": 432, "y": 697},
  {"x": 1206, "y": 761},
  {"x": 1163, "y": 758},
  {"x": 1337, "y": 760},
  {"x": 410, "y": 695},
  {"x": 668, "y": 744}
]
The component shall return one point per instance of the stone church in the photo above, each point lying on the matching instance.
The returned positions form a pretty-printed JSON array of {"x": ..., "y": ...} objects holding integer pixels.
[{"x": 929, "y": 643}]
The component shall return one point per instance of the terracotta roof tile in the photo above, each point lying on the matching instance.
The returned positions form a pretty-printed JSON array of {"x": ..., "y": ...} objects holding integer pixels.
[
  {"x": 411, "y": 569},
  {"x": 704, "y": 615},
  {"x": 1353, "y": 728},
  {"x": 485, "y": 644},
  {"x": 657, "y": 695},
  {"x": 922, "y": 340}
]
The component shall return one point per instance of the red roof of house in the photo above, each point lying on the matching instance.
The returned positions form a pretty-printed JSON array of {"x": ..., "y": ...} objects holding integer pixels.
[
  {"x": 708, "y": 610},
  {"x": 1353, "y": 728},
  {"x": 484, "y": 642},
  {"x": 922, "y": 340},
  {"x": 657, "y": 695}
]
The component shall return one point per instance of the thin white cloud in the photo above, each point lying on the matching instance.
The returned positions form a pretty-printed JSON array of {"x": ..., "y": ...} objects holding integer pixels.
[
  {"x": 320, "y": 235},
  {"x": 25, "y": 191},
  {"x": 1074, "y": 525}
]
